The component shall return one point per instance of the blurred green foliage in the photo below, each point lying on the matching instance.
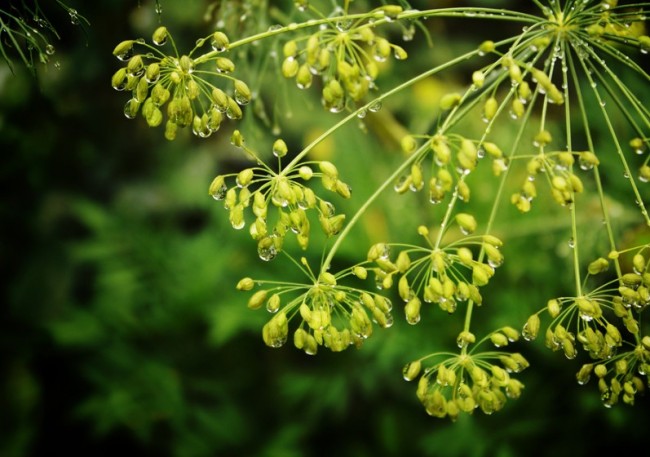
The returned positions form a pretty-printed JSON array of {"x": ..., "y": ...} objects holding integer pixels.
[{"x": 121, "y": 327}]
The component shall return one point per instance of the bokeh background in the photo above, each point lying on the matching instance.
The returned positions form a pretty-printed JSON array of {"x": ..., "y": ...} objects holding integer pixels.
[{"x": 121, "y": 330}]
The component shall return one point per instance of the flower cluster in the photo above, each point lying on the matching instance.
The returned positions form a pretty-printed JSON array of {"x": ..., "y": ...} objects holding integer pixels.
[
  {"x": 589, "y": 321},
  {"x": 345, "y": 54},
  {"x": 461, "y": 383},
  {"x": 454, "y": 157},
  {"x": 557, "y": 167},
  {"x": 330, "y": 314},
  {"x": 181, "y": 82},
  {"x": 443, "y": 275},
  {"x": 261, "y": 188}
]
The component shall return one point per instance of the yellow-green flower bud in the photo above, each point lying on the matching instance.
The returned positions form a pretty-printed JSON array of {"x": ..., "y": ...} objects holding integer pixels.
[
  {"x": 631, "y": 279},
  {"x": 290, "y": 67},
  {"x": 258, "y": 299},
  {"x": 499, "y": 339},
  {"x": 399, "y": 52},
  {"x": 478, "y": 78},
  {"x": 245, "y": 284},
  {"x": 119, "y": 79},
  {"x": 329, "y": 169},
  {"x": 123, "y": 50},
  {"x": 186, "y": 64},
  {"x": 273, "y": 304},
  {"x": 243, "y": 93},
  {"x": 510, "y": 333},
  {"x": 159, "y": 36},
  {"x": 170, "y": 130},
  {"x": 543, "y": 137},
  {"x": 486, "y": 47},
  {"x": 524, "y": 91},
  {"x": 465, "y": 256},
  {"x": 290, "y": 48},
  {"x": 343, "y": 189},
  {"x": 493, "y": 240},
  {"x": 517, "y": 108},
  {"x": 403, "y": 262},
  {"x": 598, "y": 266},
  {"x": 224, "y": 65},
  {"x": 553, "y": 306},
  {"x": 466, "y": 222},
  {"x": 515, "y": 73},
  {"x": 531, "y": 328},
  {"x": 304, "y": 77},
  {"x": 220, "y": 99},
  {"x": 391, "y": 11},
  {"x": 639, "y": 263},
  {"x": 305, "y": 172},
  {"x": 220, "y": 41},
  {"x": 465, "y": 338},
  {"x": 412, "y": 310},
  {"x": 412, "y": 370},
  {"x": 360, "y": 272},
  {"x": 233, "y": 111},
  {"x": 152, "y": 73},
  {"x": 403, "y": 288},
  {"x": 135, "y": 66},
  {"x": 327, "y": 278},
  {"x": 492, "y": 150},
  {"x": 193, "y": 89},
  {"x": 280, "y": 148},
  {"x": 408, "y": 143},
  {"x": 449, "y": 101},
  {"x": 600, "y": 370}
]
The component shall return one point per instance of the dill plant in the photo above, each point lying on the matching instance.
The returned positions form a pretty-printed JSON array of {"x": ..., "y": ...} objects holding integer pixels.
[
  {"x": 578, "y": 124},
  {"x": 28, "y": 35}
]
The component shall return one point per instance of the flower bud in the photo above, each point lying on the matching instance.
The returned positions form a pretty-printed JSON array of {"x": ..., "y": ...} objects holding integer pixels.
[
  {"x": 360, "y": 272},
  {"x": 486, "y": 47},
  {"x": 220, "y": 41},
  {"x": 598, "y": 266},
  {"x": 531, "y": 328},
  {"x": 118, "y": 81},
  {"x": 553, "y": 306},
  {"x": 478, "y": 78},
  {"x": 449, "y": 101},
  {"x": 245, "y": 284},
  {"x": 242, "y": 92},
  {"x": 123, "y": 50},
  {"x": 224, "y": 65},
  {"x": 412, "y": 370},
  {"x": 499, "y": 339},
  {"x": 135, "y": 66},
  {"x": 466, "y": 222},
  {"x": 304, "y": 77},
  {"x": 258, "y": 299},
  {"x": 329, "y": 169},
  {"x": 510, "y": 333},
  {"x": 159, "y": 36}
]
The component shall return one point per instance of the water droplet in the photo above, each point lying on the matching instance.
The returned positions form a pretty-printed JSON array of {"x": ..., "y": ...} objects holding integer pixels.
[
  {"x": 267, "y": 253},
  {"x": 131, "y": 108},
  {"x": 572, "y": 243},
  {"x": 74, "y": 16},
  {"x": 49, "y": 49},
  {"x": 241, "y": 99},
  {"x": 374, "y": 107},
  {"x": 220, "y": 193}
]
